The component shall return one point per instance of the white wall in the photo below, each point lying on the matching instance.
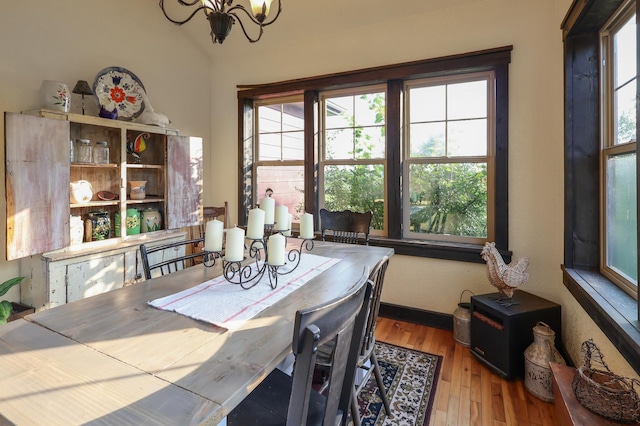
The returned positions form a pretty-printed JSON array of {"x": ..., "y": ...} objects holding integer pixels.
[{"x": 194, "y": 83}]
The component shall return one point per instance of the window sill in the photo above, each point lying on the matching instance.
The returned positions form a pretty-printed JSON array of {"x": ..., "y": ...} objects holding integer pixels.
[
  {"x": 613, "y": 310},
  {"x": 437, "y": 250}
]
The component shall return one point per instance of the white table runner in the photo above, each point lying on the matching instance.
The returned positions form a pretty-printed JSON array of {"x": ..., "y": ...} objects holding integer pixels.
[{"x": 227, "y": 305}]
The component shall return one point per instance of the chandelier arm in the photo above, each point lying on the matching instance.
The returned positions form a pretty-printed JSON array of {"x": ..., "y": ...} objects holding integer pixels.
[
  {"x": 252, "y": 40},
  {"x": 185, "y": 4}
]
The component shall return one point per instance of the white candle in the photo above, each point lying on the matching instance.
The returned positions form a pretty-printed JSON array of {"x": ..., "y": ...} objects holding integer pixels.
[
  {"x": 306, "y": 226},
  {"x": 234, "y": 251},
  {"x": 282, "y": 218},
  {"x": 268, "y": 204},
  {"x": 213, "y": 235},
  {"x": 289, "y": 222},
  {"x": 275, "y": 250},
  {"x": 255, "y": 227}
]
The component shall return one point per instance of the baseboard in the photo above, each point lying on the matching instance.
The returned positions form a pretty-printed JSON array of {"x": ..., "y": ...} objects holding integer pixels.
[{"x": 416, "y": 316}]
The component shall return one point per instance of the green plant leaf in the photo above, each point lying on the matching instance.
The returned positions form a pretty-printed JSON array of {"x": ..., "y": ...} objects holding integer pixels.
[
  {"x": 5, "y": 311},
  {"x": 5, "y": 286}
]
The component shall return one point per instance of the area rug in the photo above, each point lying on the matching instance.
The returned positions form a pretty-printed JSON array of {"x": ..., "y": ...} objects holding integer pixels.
[{"x": 410, "y": 378}]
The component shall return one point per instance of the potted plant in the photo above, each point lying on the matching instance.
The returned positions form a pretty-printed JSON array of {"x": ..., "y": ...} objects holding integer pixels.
[{"x": 6, "y": 307}]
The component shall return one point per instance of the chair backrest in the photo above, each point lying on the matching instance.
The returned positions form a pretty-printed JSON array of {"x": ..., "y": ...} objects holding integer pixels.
[
  {"x": 342, "y": 319},
  {"x": 210, "y": 213},
  {"x": 346, "y": 226},
  {"x": 377, "y": 280},
  {"x": 162, "y": 259}
]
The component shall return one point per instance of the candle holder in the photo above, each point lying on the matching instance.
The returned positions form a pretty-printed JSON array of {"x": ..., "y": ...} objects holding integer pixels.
[{"x": 248, "y": 274}]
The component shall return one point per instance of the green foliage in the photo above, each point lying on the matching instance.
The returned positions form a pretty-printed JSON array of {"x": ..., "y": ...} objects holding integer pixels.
[
  {"x": 5, "y": 306},
  {"x": 449, "y": 198},
  {"x": 445, "y": 198}
]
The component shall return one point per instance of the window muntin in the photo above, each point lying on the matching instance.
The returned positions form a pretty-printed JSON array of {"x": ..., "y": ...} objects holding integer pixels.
[
  {"x": 619, "y": 247},
  {"x": 448, "y": 165},
  {"x": 352, "y": 152},
  {"x": 279, "y": 125}
]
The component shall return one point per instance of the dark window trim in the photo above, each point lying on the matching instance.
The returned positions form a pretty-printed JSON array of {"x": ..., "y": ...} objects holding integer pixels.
[
  {"x": 613, "y": 310},
  {"x": 496, "y": 59}
]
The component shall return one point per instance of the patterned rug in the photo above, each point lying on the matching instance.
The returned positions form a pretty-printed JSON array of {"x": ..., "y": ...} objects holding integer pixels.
[{"x": 410, "y": 379}]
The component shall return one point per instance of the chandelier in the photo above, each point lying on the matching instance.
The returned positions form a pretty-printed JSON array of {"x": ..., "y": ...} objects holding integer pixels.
[{"x": 222, "y": 14}]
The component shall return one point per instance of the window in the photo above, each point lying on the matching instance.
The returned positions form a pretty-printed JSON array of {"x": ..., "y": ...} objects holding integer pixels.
[
  {"x": 353, "y": 152},
  {"x": 424, "y": 145},
  {"x": 280, "y": 152},
  {"x": 447, "y": 161},
  {"x": 600, "y": 168},
  {"x": 619, "y": 241}
]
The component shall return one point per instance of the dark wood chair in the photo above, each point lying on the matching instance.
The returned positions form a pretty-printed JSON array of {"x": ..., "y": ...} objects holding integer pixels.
[
  {"x": 197, "y": 231},
  {"x": 281, "y": 399},
  {"x": 162, "y": 259},
  {"x": 345, "y": 226},
  {"x": 210, "y": 213},
  {"x": 367, "y": 360}
]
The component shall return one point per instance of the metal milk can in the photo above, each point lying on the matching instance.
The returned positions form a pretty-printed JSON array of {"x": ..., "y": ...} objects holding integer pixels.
[
  {"x": 462, "y": 322},
  {"x": 538, "y": 379}
]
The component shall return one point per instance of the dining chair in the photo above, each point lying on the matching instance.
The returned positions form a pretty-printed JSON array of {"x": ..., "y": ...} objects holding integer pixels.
[
  {"x": 367, "y": 361},
  {"x": 163, "y": 259},
  {"x": 197, "y": 231},
  {"x": 291, "y": 400},
  {"x": 345, "y": 226}
]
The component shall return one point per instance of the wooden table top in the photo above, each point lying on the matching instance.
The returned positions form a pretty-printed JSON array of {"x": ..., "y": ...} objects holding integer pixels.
[{"x": 207, "y": 362}]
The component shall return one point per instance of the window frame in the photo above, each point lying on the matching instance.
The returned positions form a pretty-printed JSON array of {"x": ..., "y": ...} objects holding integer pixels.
[
  {"x": 324, "y": 161},
  {"x": 614, "y": 311},
  {"x": 393, "y": 76},
  {"x": 610, "y": 147},
  {"x": 488, "y": 158},
  {"x": 257, "y": 163}
]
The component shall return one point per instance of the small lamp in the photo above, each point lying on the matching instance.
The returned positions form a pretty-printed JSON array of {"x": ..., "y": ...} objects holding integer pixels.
[{"x": 82, "y": 88}]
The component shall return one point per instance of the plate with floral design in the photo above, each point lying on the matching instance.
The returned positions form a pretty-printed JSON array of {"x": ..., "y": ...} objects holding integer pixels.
[{"x": 116, "y": 88}]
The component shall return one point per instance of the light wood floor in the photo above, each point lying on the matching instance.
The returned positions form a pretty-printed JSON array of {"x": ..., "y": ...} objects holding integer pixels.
[{"x": 468, "y": 393}]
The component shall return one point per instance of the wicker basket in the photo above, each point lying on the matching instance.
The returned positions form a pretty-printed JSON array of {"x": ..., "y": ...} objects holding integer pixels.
[{"x": 603, "y": 392}]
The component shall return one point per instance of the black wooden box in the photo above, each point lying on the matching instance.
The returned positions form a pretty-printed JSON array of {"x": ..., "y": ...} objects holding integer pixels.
[{"x": 501, "y": 329}]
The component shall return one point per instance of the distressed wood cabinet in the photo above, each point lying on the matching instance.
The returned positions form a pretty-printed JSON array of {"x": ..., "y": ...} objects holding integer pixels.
[
  {"x": 38, "y": 174},
  {"x": 63, "y": 276}
]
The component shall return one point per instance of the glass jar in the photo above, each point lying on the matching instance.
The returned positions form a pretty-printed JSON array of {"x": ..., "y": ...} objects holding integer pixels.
[
  {"x": 72, "y": 157},
  {"x": 97, "y": 226},
  {"x": 101, "y": 153},
  {"x": 82, "y": 153}
]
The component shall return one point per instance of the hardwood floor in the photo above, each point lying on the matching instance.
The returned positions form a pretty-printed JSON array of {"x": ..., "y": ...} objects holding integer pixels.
[{"x": 468, "y": 393}]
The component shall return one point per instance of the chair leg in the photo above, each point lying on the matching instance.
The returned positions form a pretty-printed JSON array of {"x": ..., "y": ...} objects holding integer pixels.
[
  {"x": 383, "y": 393},
  {"x": 355, "y": 409}
]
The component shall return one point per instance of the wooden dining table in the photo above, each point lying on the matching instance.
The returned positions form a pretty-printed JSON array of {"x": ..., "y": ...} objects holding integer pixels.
[{"x": 113, "y": 359}]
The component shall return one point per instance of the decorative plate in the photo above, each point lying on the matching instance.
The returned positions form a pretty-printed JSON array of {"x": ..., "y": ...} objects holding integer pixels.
[{"x": 116, "y": 88}]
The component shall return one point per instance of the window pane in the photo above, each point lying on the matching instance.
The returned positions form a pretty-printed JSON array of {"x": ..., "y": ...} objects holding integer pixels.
[
  {"x": 270, "y": 147},
  {"x": 622, "y": 245},
  {"x": 624, "y": 51},
  {"x": 467, "y": 138},
  {"x": 293, "y": 146},
  {"x": 287, "y": 183},
  {"x": 339, "y": 144},
  {"x": 358, "y": 188},
  {"x": 370, "y": 142},
  {"x": 369, "y": 109},
  {"x": 427, "y": 104},
  {"x": 427, "y": 140},
  {"x": 281, "y": 135},
  {"x": 339, "y": 112},
  {"x": 448, "y": 199},
  {"x": 625, "y": 115},
  {"x": 467, "y": 100}
]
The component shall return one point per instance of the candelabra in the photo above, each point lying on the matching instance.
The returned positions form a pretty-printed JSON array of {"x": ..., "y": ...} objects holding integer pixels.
[{"x": 248, "y": 274}]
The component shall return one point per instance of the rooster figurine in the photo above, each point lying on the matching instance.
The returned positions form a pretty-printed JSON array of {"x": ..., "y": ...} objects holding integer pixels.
[{"x": 506, "y": 278}]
